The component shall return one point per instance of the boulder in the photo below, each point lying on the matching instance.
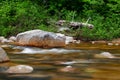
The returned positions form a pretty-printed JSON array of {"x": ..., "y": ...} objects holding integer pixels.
[
  {"x": 20, "y": 69},
  {"x": 3, "y": 56},
  {"x": 40, "y": 38}
]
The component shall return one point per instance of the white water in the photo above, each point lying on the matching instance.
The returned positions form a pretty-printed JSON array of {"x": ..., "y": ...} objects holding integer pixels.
[{"x": 29, "y": 50}]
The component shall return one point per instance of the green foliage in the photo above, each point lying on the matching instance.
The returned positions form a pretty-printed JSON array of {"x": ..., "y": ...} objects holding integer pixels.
[
  {"x": 105, "y": 29},
  {"x": 47, "y": 28},
  {"x": 21, "y": 15},
  {"x": 7, "y": 31}
]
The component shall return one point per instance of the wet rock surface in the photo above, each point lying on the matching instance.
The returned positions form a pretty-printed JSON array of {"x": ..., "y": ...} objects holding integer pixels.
[{"x": 3, "y": 56}]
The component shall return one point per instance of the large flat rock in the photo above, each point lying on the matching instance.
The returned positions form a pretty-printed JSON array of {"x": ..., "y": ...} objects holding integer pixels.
[{"x": 40, "y": 38}]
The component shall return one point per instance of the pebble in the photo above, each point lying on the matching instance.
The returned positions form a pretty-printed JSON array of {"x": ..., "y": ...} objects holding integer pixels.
[
  {"x": 110, "y": 44},
  {"x": 67, "y": 69}
]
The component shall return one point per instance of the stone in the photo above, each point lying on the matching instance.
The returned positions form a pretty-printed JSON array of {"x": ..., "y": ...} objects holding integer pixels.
[
  {"x": 61, "y": 22},
  {"x": 1, "y": 38},
  {"x": 110, "y": 44},
  {"x": 63, "y": 29},
  {"x": 40, "y": 38},
  {"x": 20, "y": 69},
  {"x": 116, "y": 41},
  {"x": 4, "y": 41},
  {"x": 67, "y": 69},
  {"x": 98, "y": 42},
  {"x": 69, "y": 39},
  {"x": 12, "y": 38},
  {"x": 76, "y": 25},
  {"x": 104, "y": 55},
  {"x": 3, "y": 56}
]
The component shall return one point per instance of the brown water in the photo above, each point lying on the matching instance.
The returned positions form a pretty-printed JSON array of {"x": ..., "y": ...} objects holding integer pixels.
[{"x": 49, "y": 66}]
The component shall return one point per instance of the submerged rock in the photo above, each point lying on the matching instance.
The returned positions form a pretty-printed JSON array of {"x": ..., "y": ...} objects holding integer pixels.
[
  {"x": 20, "y": 69},
  {"x": 40, "y": 38},
  {"x": 104, "y": 55},
  {"x": 67, "y": 69},
  {"x": 3, "y": 55}
]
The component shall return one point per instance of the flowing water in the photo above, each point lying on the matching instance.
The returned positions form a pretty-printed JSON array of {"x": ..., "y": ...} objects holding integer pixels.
[{"x": 75, "y": 62}]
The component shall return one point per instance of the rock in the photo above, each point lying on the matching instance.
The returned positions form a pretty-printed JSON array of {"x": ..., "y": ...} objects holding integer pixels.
[
  {"x": 2, "y": 38},
  {"x": 91, "y": 70},
  {"x": 110, "y": 44},
  {"x": 59, "y": 34},
  {"x": 12, "y": 38},
  {"x": 3, "y": 56},
  {"x": 20, "y": 69},
  {"x": 69, "y": 39},
  {"x": 61, "y": 22},
  {"x": 104, "y": 55},
  {"x": 3, "y": 69},
  {"x": 62, "y": 29},
  {"x": 116, "y": 41},
  {"x": 67, "y": 69},
  {"x": 117, "y": 44},
  {"x": 98, "y": 42},
  {"x": 78, "y": 41},
  {"x": 40, "y": 38},
  {"x": 76, "y": 25},
  {"x": 4, "y": 41}
]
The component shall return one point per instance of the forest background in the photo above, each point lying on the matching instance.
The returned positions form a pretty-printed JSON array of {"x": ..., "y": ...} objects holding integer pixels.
[{"x": 22, "y": 15}]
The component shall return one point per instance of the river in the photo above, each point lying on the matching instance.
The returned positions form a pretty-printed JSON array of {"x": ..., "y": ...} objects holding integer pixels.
[{"x": 82, "y": 60}]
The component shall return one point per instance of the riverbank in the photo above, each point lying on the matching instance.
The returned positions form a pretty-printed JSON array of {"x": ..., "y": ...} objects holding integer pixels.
[{"x": 49, "y": 35}]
